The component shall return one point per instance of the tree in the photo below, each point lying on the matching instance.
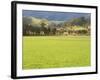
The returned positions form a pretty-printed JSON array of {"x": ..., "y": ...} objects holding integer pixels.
[{"x": 44, "y": 26}]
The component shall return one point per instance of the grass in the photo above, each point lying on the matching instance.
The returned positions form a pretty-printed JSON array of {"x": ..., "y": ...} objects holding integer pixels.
[{"x": 56, "y": 51}]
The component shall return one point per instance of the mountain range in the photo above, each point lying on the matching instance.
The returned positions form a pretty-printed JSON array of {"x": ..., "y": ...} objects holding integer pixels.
[{"x": 54, "y": 16}]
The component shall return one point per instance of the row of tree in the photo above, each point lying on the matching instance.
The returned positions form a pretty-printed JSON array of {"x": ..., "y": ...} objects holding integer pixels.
[{"x": 40, "y": 27}]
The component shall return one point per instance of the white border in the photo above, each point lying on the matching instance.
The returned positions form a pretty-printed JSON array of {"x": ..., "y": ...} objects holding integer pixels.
[{"x": 35, "y": 72}]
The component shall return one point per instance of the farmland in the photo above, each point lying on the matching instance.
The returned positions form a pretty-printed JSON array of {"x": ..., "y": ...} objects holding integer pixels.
[{"x": 55, "y": 51}]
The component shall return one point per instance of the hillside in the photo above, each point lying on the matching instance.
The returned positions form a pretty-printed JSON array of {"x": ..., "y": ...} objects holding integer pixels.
[{"x": 55, "y": 16}]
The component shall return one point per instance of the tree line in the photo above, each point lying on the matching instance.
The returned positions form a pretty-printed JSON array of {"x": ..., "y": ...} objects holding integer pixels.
[{"x": 43, "y": 27}]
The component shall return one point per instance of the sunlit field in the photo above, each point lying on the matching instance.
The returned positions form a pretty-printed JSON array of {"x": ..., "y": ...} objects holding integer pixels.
[{"x": 55, "y": 51}]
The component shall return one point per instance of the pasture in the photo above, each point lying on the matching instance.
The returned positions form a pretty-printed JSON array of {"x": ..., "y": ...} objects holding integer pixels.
[{"x": 55, "y": 51}]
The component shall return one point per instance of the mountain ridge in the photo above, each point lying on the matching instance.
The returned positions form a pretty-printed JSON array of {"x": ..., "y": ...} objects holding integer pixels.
[{"x": 54, "y": 16}]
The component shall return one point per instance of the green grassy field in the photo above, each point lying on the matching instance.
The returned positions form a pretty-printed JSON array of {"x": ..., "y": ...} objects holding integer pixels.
[{"x": 56, "y": 51}]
